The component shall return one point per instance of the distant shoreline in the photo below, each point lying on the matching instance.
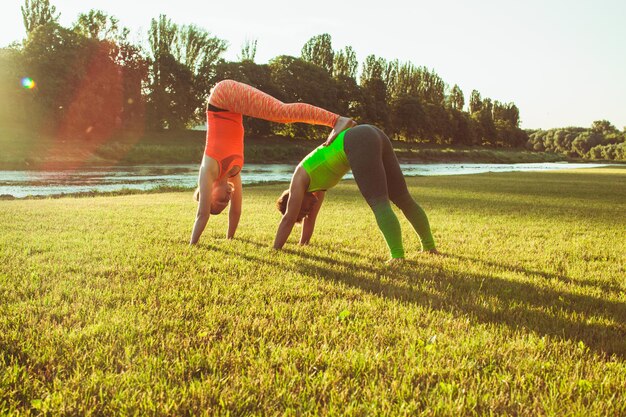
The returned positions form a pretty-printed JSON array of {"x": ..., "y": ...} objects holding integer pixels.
[
  {"x": 24, "y": 152},
  {"x": 178, "y": 186}
]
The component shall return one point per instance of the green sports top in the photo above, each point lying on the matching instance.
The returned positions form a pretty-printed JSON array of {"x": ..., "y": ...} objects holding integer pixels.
[{"x": 326, "y": 165}]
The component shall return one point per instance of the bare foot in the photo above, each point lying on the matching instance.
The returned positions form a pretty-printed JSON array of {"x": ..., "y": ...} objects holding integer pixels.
[{"x": 341, "y": 124}]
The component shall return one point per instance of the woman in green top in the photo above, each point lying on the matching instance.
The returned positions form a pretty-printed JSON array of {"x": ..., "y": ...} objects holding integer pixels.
[{"x": 368, "y": 152}]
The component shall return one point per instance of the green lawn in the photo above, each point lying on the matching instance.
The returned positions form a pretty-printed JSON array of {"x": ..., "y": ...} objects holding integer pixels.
[{"x": 105, "y": 310}]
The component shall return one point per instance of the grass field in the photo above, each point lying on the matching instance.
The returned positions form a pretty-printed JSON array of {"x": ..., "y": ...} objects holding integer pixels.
[{"x": 105, "y": 310}]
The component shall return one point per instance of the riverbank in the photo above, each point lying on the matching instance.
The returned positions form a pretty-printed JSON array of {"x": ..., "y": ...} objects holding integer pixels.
[
  {"x": 93, "y": 181},
  {"x": 106, "y": 310},
  {"x": 28, "y": 151}
]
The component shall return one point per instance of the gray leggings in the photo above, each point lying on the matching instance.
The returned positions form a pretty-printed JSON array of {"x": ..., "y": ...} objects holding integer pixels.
[
  {"x": 374, "y": 165},
  {"x": 378, "y": 175}
]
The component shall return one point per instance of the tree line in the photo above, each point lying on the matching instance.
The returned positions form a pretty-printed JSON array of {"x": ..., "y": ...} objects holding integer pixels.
[
  {"x": 91, "y": 81},
  {"x": 601, "y": 141}
]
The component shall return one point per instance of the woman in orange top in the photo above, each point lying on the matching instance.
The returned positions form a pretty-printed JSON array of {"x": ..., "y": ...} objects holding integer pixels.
[{"x": 219, "y": 179}]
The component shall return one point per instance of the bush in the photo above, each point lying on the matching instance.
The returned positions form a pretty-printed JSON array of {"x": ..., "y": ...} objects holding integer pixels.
[{"x": 611, "y": 152}]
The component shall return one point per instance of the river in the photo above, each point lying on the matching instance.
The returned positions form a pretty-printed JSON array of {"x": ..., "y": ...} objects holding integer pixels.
[{"x": 21, "y": 184}]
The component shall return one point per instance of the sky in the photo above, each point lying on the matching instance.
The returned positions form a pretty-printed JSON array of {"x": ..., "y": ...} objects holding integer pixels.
[{"x": 563, "y": 63}]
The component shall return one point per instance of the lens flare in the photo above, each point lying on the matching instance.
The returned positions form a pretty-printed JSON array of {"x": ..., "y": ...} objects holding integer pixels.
[{"x": 28, "y": 83}]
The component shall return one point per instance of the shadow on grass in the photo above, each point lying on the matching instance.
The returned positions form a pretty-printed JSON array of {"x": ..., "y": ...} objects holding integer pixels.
[
  {"x": 491, "y": 297},
  {"x": 600, "y": 324},
  {"x": 313, "y": 257},
  {"x": 606, "y": 287}
]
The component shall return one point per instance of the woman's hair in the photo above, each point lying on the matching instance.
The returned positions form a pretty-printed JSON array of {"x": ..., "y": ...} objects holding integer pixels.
[
  {"x": 214, "y": 210},
  {"x": 281, "y": 203}
]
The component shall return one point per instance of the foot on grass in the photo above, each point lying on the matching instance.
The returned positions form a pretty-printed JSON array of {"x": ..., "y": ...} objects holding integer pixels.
[{"x": 395, "y": 261}]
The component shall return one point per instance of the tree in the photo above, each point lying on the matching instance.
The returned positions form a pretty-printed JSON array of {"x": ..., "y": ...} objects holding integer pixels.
[
  {"x": 374, "y": 90},
  {"x": 390, "y": 77},
  {"x": 130, "y": 64},
  {"x": 199, "y": 52},
  {"x": 585, "y": 141},
  {"x": 302, "y": 81},
  {"x": 345, "y": 63},
  {"x": 485, "y": 119},
  {"x": 408, "y": 81},
  {"x": 98, "y": 25},
  {"x": 506, "y": 121},
  {"x": 405, "y": 79},
  {"x": 603, "y": 126},
  {"x": 55, "y": 58},
  {"x": 183, "y": 59},
  {"x": 475, "y": 103},
  {"x": 461, "y": 127},
  {"x": 15, "y": 100},
  {"x": 456, "y": 99},
  {"x": 161, "y": 38},
  {"x": 434, "y": 88},
  {"x": 195, "y": 48},
  {"x": 319, "y": 51},
  {"x": 373, "y": 69},
  {"x": 508, "y": 113},
  {"x": 437, "y": 122},
  {"x": 94, "y": 112},
  {"x": 36, "y": 13},
  {"x": 253, "y": 74},
  {"x": 508, "y": 135},
  {"x": 162, "y": 34},
  {"x": 248, "y": 51},
  {"x": 350, "y": 98},
  {"x": 134, "y": 72},
  {"x": 408, "y": 117},
  {"x": 87, "y": 88}
]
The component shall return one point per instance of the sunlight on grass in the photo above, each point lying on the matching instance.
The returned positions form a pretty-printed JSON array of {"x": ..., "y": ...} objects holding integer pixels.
[{"x": 105, "y": 309}]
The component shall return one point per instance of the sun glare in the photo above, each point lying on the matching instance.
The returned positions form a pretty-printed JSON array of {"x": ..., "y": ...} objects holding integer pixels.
[{"x": 28, "y": 83}]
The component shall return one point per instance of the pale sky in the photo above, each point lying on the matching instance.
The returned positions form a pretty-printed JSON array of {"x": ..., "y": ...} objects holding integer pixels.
[{"x": 563, "y": 63}]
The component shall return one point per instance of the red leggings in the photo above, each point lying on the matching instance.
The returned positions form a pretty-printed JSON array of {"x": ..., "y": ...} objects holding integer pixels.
[
  {"x": 241, "y": 98},
  {"x": 224, "y": 141}
]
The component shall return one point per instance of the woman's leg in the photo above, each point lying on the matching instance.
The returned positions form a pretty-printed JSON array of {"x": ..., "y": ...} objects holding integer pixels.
[
  {"x": 364, "y": 151},
  {"x": 399, "y": 194},
  {"x": 241, "y": 98}
]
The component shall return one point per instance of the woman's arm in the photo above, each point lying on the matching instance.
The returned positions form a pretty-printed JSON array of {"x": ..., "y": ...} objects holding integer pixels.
[
  {"x": 297, "y": 188},
  {"x": 234, "y": 213},
  {"x": 208, "y": 172},
  {"x": 308, "y": 224}
]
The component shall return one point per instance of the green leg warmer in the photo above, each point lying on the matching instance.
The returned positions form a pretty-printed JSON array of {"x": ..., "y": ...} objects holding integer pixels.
[
  {"x": 390, "y": 227},
  {"x": 416, "y": 215}
]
